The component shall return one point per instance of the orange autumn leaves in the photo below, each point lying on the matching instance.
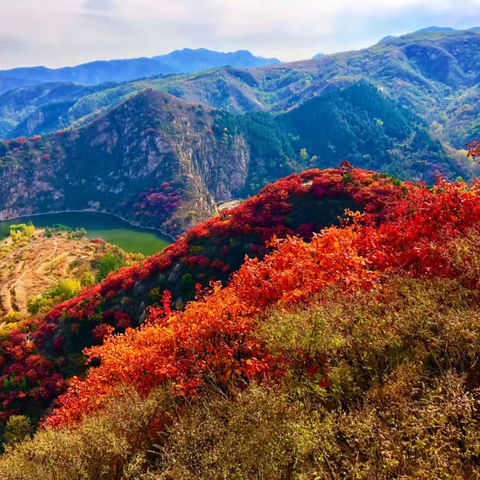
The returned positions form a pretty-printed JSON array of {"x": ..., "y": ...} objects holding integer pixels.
[
  {"x": 474, "y": 149},
  {"x": 211, "y": 342},
  {"x": 300, "y": 204}
]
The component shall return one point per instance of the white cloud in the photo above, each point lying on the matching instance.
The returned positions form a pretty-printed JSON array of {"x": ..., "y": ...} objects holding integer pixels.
[{"x": 67, "y": 32}]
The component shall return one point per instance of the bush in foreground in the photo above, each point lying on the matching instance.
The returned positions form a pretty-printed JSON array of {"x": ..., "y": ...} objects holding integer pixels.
[{"x": 379, "y": 385}]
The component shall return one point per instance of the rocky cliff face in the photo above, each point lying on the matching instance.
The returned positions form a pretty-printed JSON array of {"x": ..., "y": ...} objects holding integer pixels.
[{"x": 153, "y": 160}]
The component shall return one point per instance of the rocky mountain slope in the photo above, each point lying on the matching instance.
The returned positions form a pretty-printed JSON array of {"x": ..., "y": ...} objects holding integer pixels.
[
  {"x": 44, "y": 108},
  {"x": 136, "y": 161}
]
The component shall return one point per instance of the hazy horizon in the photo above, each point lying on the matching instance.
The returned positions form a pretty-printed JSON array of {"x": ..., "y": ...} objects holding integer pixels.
[{"x": 79, "y": 31}]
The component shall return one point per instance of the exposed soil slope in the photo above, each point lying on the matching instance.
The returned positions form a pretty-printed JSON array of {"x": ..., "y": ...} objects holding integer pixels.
[{"x": 33, "y": 267}]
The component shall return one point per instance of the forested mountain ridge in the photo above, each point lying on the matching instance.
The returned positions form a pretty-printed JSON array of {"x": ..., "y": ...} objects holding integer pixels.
[
  {"x": 161, "y": 162},
  {"x": 436, "y": 74},
  {"x": 44, "y": 108},
  {"x": 373, "y": 131},
  {"x": 429, "y": 30},
  {"x": 137, "y": 161}
]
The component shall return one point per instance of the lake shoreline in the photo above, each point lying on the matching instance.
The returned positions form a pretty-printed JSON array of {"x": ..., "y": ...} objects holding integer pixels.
[
  {"x": 114, "y": 229},
  {"x": 91, "y": 210}
]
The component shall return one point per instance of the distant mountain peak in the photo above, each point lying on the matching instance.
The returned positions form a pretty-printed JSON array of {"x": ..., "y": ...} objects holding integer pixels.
[
  {"x": 435, "y": 29},
  {"x": 387, "y": 38},
  {"x": 430, "y": 30},
  {"x": 318, "y": 55},
  {"x": 179, "y": 61},
  {"x": 188, "y": 60}
]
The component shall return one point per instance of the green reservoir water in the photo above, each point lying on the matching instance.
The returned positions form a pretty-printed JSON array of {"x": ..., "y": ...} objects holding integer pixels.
[{"x": 99, "y": 225}]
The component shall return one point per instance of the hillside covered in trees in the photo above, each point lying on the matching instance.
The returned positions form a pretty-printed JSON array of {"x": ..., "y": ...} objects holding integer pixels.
[
  {"x": 301, "y": 204},
  {"x": 160, "y": 162},
  {"x": 350, "y": 353},
  {"x": 435, "y": 74}
]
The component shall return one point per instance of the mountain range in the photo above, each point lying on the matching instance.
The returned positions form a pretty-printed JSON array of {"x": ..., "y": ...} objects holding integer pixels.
[
  {"x": 434, "y": 74},
  {"x": 312, "y": 318},
  {"x": 406, "y": 107},
  {"x": 161, "y": 162},
  {"x": 179, "y": 61}
]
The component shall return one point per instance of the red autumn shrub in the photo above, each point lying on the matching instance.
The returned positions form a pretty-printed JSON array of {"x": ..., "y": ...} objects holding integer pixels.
[
  {"x": 102, "y": 331},
  {"x": 213, "y": 340}
]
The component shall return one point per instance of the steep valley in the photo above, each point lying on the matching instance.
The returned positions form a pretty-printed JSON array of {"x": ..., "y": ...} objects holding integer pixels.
[
  {"x": 160, "y": 162},
  {"x": 137, "y": 161}
]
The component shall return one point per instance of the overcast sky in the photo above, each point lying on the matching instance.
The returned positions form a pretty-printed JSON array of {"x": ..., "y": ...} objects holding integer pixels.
[{"x": 58, "y": 33}]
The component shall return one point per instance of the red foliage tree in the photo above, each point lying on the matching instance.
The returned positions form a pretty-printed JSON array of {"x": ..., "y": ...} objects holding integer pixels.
[{"x": 474, "y": 149}]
